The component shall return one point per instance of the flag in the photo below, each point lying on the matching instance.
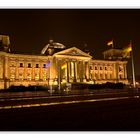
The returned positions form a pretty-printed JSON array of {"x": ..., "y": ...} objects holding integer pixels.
[
  {"x": 127, "y": 50},
  {"x": 63, "y": 66},
  {"x": 110, "y": 43}
]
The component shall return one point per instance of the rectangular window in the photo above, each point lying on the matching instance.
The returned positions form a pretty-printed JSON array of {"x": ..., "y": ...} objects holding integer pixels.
[
  {"x": 91, "y": 68},
  {"x": 44, "y": 65},
  {"x": 96, "y": 68},
  {"x": 37, "y": 65},
  {"x": 21, "y": 65},
  {"x": 29, "y": 65},
  {"x": 44, "y": 76},
  {"x": 36, "y": 76},
  {"x": 101, "y": 68}
]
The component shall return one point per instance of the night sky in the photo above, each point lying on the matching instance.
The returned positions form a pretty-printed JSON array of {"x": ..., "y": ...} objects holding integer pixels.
[{"x": 30, "y": 30}]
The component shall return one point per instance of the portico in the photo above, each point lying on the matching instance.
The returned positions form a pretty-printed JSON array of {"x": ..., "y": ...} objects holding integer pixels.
[{"x": 73, "y": 66}]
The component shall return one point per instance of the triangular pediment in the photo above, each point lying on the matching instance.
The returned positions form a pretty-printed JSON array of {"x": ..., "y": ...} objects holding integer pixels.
[{"x": 73, "y": 52}]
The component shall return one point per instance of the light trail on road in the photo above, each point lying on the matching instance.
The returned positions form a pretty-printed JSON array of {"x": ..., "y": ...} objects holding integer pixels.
[{"x": 64, "y": 102}]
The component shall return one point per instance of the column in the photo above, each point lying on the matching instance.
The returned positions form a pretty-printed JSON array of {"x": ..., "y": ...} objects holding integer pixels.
[
  {"x": 6, "y": 68},
  {"x": 40, "y": 71},
  {"x": 98, "y": 67},
  {"x": 6, "y": 72},
  {"x": 69, "y": 68},
  {"x": 25, "y": 69},
  {"x": 33, "y": 71},
  {"x": 74, "y": 72},
  {"x": 125, "y": 71},
  {"x": 67, "y": 71},
  {"x": 78, "y": 71},
  {"x": 117, "y": 72},
  {"x": 70, "y": 71},
  {"x": 50, "y": 78},
  {"x": 17, "y": 66},
  {"x": 84, "y": 72},
  {"x": 59, "y": 73},
  {"x": 81, "y": 71},
  {"x": 89, "y": 71}
]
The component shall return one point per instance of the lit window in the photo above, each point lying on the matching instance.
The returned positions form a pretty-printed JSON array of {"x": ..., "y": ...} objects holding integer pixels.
[
  {"x": 91, "y": 68},
  {"x": 96, "y": 68},
  {"x": 44, "y": 65},
  {"x": 29, "y": 77},
  {"x": 20, "y": 64},
  {"x": 44, "y": 76},
  {"x": 37, "y": 65},
  {"x": 101, "y": 68},
  {"x": 20, "y": 76},
  {"x": 12, "y": 77},
  {"x": 36, "y": 76},
  {"x": 29, "y": 65}
]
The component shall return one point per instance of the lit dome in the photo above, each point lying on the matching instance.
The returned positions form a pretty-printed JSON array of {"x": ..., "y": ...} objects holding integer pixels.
[{"x": 51, "y": 46}]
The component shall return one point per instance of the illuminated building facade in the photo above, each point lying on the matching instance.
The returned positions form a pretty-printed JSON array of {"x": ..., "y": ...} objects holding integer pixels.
[{"x": 58, "y": 68}]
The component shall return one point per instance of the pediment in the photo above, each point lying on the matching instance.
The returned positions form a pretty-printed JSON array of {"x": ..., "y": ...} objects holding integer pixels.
[{"x": 73, "y": 52}]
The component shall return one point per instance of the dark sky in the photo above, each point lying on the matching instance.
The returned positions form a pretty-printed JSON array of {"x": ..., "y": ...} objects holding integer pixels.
[{"x": 30, "y": 30}]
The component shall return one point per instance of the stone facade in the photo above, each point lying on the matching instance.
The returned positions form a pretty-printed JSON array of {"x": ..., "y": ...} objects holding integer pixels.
[{"x": 67, "y": 66}]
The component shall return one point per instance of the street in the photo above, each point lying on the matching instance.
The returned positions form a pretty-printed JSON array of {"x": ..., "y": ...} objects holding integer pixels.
[{"x": 101, "y": 113}]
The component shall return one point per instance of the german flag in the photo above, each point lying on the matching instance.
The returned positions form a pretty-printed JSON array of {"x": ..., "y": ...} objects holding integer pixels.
[
  {"x": 110, "y": 43},
  {"x": 127, "y": 50}
]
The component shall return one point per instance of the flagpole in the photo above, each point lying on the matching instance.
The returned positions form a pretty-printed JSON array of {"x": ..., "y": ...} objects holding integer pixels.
[
  {"x": 112, "y": 44},
  {"x": 133, "y": 69}
]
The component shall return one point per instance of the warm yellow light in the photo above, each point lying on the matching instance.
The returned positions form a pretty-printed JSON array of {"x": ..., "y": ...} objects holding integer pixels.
[
  {"x": 63, "y": 66},
  {"x": 110, "y": 43},
  {"x": 128, "y": 48}
]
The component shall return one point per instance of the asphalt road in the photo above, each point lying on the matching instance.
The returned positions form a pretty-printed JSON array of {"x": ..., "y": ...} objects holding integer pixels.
[
  {"x": 34, "y": 99},
  {"x": 111, "y": 115}
]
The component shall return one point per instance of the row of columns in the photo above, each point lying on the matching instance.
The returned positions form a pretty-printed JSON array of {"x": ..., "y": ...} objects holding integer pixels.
[
  {"x": 76, "y": 71},
  {"x": 114, "y": 73}
]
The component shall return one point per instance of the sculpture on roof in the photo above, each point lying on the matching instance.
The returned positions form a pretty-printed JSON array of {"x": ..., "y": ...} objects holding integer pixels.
[
  {"x": 4, "y": 43},
  {"x": 49, "y": 48}
]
